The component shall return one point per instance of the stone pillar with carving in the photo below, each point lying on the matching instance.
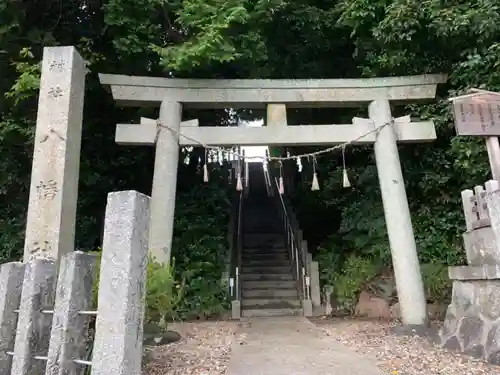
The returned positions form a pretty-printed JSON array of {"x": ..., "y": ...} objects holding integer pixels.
[{"x": 472, "y": 322}]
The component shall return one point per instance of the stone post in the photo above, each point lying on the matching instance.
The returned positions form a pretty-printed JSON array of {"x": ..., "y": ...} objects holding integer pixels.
[
  {"x": 276, "y": 115},
  {"x": 69, "y": 337},
  {"x": 397, "y": 218},
  {"x": 119, "y": 326},
  {"x": 11, "y": 284},
  {"x": 165, "y": 182},
  {"x": 50, "y": 229},
  {"x": 33, "y": 326},
  {"x": 315, "y": 286}
]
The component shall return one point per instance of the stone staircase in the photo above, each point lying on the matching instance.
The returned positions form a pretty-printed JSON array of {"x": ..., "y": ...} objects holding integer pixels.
[
  {"x": 268, "y": 286},
  {"x": 267, "y": 281}
]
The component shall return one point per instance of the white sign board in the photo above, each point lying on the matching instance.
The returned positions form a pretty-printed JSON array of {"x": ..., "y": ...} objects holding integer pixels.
[{"x": 477, "y": 115}]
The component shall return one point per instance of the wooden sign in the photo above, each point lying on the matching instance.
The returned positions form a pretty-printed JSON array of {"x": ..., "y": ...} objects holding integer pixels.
[{"x": 477, "y": 115}]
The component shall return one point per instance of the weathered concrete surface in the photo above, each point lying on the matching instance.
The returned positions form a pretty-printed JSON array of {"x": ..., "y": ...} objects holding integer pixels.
[
  {"x": 481, "y": 247},
  {"x": 397, "y": 218},
  {"x": 161, "y": 224},
  {"x": 210, "y": 93},
  {"x": 293, "y": 345},
  {"x": 69, "y": 336},
  {"x": 11, "y": 285},
  {"x": 33, "y": 326},
  {"x": 50, "y": 228},
  {"x": 486, "y": 272},
  {"x": 472, "y": 321},
  {"x": 119, "y": 324},
  {"x": 409, "y": 132}
]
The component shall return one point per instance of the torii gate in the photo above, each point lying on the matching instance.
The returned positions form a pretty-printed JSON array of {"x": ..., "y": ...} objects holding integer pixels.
[{"x": 172, "y": 95}]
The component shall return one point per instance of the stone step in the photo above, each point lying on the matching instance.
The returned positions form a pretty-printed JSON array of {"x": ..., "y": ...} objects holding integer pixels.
[
  {"x": 270, "y": 303},
  {"x": 266, "y": 270},
  {"x": 259, "y": 312},
  {"x": 271, "y": 240},
  {"x": 269, "y": 284},
  {"x": 282, "y": 252},
  {"x": 263, "y": 236},
  {"x": 269, "y": 293},
  {"x": 260, "y": 277},
  {"x": 265, "y": 263},
  {"x": 264, "y": 245},
  {"x": 265, "y": 255}
]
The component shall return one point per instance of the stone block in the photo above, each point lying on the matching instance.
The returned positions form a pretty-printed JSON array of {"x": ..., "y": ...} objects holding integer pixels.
[
  {"x": 472, "y": 323},
  {"x": 485, "y": 272},
  {"x": 33, "y": 327},
  {"x": 371, "y": 306},
  {"x": 69, "y": 337},
  {"x": 11, "y": 284},
  {"x": 488, "y": 298},
  {"x": 307, "y": 307},
  {"x": 493, "y": 344},
  {"x": 481, "y": 247},
  {"x": 119, "y": 327},
  {"x": 492, "y": 200},
  {"x": 276, "y": 115},
  {"x": 236, "y": 310},
  {"x": 315, "y": 285}
]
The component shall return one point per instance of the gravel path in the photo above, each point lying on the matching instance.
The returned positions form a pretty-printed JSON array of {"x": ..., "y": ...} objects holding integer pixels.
[
  {"x": 203, "y": 350},
  {"x": 206, "y": 346},
  {"x": 401, "y": 355}
]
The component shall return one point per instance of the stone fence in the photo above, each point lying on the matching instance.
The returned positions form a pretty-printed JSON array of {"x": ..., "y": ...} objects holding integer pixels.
[
  {"x": 472, "y": 323},
  {"x": 46, "y": 316},
  {"x": 474, "y": 205}
]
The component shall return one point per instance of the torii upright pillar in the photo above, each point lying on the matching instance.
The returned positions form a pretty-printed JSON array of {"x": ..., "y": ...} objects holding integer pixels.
[
  {"x": 165, "y": 136},
  {"x": 409, "y": 284},
  {"x": 161, "y": 223}
]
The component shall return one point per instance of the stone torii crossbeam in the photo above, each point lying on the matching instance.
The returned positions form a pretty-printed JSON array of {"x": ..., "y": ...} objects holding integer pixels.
[{"x": 172, "y": 95}]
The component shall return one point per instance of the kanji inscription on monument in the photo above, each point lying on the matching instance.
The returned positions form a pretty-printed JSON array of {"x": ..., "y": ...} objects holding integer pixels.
[
  {"x": 40, "y": 249},
  {"x": 50, "y": 228},
  {"x": 477, "y": 115},
  {"x": 56, "y": 92},
  {"x": 47, "y": 189},
  {"x": 57, "y": 66}
]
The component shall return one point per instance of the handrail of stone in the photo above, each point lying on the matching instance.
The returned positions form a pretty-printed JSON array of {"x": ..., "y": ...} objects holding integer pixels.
[
  {"x": 44, "y": 324},
  {"x": 474, "y": 205}
]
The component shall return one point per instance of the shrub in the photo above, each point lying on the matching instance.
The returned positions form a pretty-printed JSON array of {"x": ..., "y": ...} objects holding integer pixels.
[
  {"x": 349, "y": 281},
  {"x": 437, "y": 285},
  {"x": 163, "y": 292}
]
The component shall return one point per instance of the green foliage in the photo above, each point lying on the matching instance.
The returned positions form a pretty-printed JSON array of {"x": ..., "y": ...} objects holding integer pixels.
[
  {"x": 191, "y": 286},
  {"x": 436, "y": 282},
  {"x": 200, "y": 248},
  {"x": 356, "y": 272},
  {"x": 164, "y": 293}
]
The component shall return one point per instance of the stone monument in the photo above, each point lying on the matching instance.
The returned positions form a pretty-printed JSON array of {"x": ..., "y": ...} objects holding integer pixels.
[
  {"x": 472, "y": 322},
  {"x": 50, "y": 228}
]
